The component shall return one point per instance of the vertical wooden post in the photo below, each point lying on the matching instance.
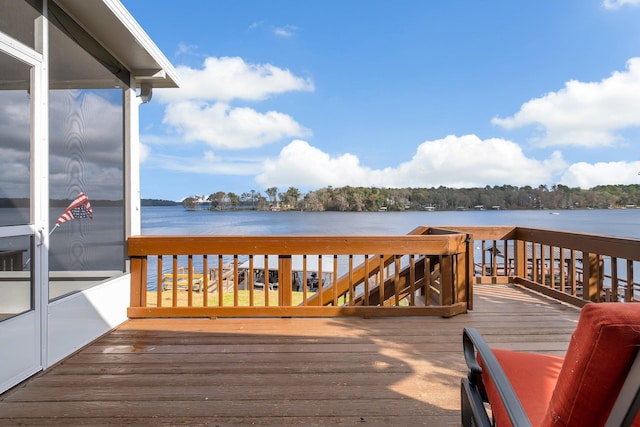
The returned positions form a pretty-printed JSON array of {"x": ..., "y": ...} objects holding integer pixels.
[
  {"x": 136, "y": 282},
  {"x": 628, "y": 295},
  {"x": 459, "y": 283},
  {"x": 190, "y": 280},
  {"x": 573, "y": 274},
  {"x": 614, "y": 279},
  {"x": 236, "y": 292},
  {"x": 592, "y": 287},
  {"x": 334, "y": 279},
  {"x": 396, "y": 280},
  {"x": 446, "y": 277},
  {"x": 285, "y": 285},
  {"x": 521, "y": 259},
  {"x": 469, "y": 274},
  {"x": 205, "y": 281},
  {"x": 159, "y": 283},
  {"x": 412, "y": 280},
  {"x": 174, "y": 289}
]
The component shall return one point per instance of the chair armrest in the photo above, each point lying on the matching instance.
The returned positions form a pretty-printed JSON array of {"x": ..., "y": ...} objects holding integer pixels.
[{"x": 472, "y": 341}]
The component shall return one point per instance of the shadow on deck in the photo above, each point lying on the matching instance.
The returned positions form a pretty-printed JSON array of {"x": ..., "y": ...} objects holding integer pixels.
[{"x": 284, "y": 371}]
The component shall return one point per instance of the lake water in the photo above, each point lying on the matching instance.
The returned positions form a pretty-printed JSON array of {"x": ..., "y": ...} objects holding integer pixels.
[{"x": 175, "y": 220}]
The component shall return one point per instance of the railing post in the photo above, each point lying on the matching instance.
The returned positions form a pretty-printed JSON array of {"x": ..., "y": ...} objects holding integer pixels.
[
  {"x": 446, "y": 271},
  {"x": 628, "y": 294},
  {"x": 285, "y": 286},
  {"x": 520, "y": 261},
  {"x": 593, "y": 287},
  {"x": 469, "y": 273},
  {"x": 136, "y": 282},
  {"x": 459, "y": 278}
]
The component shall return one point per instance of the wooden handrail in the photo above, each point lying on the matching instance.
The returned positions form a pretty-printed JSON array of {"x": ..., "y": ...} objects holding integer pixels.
[
  {"x": 386, "y": 283},
  {"x": 430, "y": 271}
]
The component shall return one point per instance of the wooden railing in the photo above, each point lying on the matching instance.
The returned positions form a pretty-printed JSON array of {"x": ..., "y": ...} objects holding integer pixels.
[
  {"x": 427, "y": 272},
  {"x": 430, "y": 271},
  {"x": 572, "y": 267}
]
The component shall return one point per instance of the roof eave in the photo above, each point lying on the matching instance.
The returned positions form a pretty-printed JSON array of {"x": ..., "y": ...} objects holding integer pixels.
[{"x": 111, "y": 24}]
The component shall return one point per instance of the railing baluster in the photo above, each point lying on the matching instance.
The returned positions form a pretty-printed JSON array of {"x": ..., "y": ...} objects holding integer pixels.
[
  {"x": 335, "y": 280},
  {"x": 265, "y": 279},
  {"x": 236, "y": 295},
  {"x": 614, "y": 279},
  {"x": 205, "y": 281},
  {"x": 190, "y": 280},
  {"x": 220, "y": 281},
  {"x": 630, "y": 294},
  {"x": 174, "y": 285},
  {"x": 381, "y": 280},
  {"x": 320, "y": 284},
  {"x": 304, "y": 280},
  {"x": 250, "y": 279},
  {"x": 159, "y": 283},
  {"x": 412, "y": 279}
]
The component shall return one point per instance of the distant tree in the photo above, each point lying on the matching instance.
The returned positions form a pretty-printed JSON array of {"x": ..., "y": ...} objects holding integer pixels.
[
  {"x": 234, "y": 200},
  {"x": 190, "y": 202},
  {"x": 291, "y": 197},
  {"x": 272, "y": 192},
  {"x": 218, "y": 200}
]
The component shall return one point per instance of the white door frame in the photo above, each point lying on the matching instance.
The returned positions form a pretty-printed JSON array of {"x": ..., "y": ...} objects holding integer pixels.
[{"x": 23, "y": 336}]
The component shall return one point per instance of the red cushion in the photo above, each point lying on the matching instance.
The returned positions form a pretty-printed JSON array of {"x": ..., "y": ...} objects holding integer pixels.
[
  {"x": 581, "y": 390},
  {"x": 533, "y": 378},
  {"x": 596, "y": 364}
]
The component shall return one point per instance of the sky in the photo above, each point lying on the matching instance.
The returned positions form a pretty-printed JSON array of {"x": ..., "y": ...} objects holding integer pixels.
[{"x": 404, "y": 93}]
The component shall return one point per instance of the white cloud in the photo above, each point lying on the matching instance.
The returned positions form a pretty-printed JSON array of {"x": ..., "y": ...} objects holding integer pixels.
[
  {"x": 286, "y": 31},
  {"x": 585, "y": 175},
  {"x": 209, "y": 164},
  {"x": 229, "y": 78},
  {"x": 186, "y": 49},
  {"x": 617, "y": 4},
  {"x": 584, "y": 114},
  {"x": 465, "y": 161},
  {"x": 200, "y": 109},
  {"x": 224, "y": 127}
]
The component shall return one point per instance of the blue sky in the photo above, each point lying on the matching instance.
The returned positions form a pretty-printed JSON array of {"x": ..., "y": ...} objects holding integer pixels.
[{"x": 403, "y": 93}]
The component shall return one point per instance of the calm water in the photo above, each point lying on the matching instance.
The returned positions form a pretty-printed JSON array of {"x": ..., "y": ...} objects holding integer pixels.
[{"x": 175, "y": 220}]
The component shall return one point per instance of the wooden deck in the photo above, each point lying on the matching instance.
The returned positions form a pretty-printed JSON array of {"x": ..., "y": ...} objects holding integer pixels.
[{"x": 290, "y": 371}]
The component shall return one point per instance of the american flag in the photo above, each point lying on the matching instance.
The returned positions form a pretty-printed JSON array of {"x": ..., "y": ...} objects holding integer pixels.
[{"x": 79, "y": 208}]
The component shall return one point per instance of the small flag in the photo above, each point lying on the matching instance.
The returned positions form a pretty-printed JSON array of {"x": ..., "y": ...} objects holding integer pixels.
[{"x": 79, "y": 208}]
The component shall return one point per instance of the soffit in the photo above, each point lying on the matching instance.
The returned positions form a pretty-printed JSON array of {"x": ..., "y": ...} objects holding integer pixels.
[{"x": 111, "y": 24}]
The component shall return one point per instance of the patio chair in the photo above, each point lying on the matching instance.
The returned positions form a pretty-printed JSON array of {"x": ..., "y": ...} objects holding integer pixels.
[{"x": 597, "y": 383}]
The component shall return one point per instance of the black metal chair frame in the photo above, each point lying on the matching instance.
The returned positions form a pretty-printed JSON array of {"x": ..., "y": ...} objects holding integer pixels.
[{"x": 473, "y": 397}]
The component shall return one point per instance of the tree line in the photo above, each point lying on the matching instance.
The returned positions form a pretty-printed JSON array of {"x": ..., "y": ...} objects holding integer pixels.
[{"x": 371, "y": 199}]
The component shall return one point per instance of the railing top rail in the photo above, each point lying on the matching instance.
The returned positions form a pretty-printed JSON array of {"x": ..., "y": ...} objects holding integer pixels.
[
  {"x": 481, "y": 232},
  {"x": 294, "y": 245},
  {"x": 594, "y": 243}
]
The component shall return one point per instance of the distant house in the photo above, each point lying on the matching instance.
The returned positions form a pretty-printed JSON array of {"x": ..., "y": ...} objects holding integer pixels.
[{"x": 74, "y": 73}]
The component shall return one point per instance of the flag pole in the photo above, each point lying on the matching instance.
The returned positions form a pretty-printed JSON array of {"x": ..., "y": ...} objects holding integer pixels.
[{"x": 54, "y": 228}]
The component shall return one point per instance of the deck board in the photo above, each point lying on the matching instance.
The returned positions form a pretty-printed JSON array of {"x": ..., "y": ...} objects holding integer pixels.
[{"x": 311, "y": 371}]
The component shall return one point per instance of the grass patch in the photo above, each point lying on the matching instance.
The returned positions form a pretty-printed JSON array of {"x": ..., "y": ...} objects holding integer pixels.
[{"x": 227, "y": 300}]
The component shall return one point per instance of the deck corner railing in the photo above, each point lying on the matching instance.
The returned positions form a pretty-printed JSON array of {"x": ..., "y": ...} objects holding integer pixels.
[{"x": 572, "y": 267}]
